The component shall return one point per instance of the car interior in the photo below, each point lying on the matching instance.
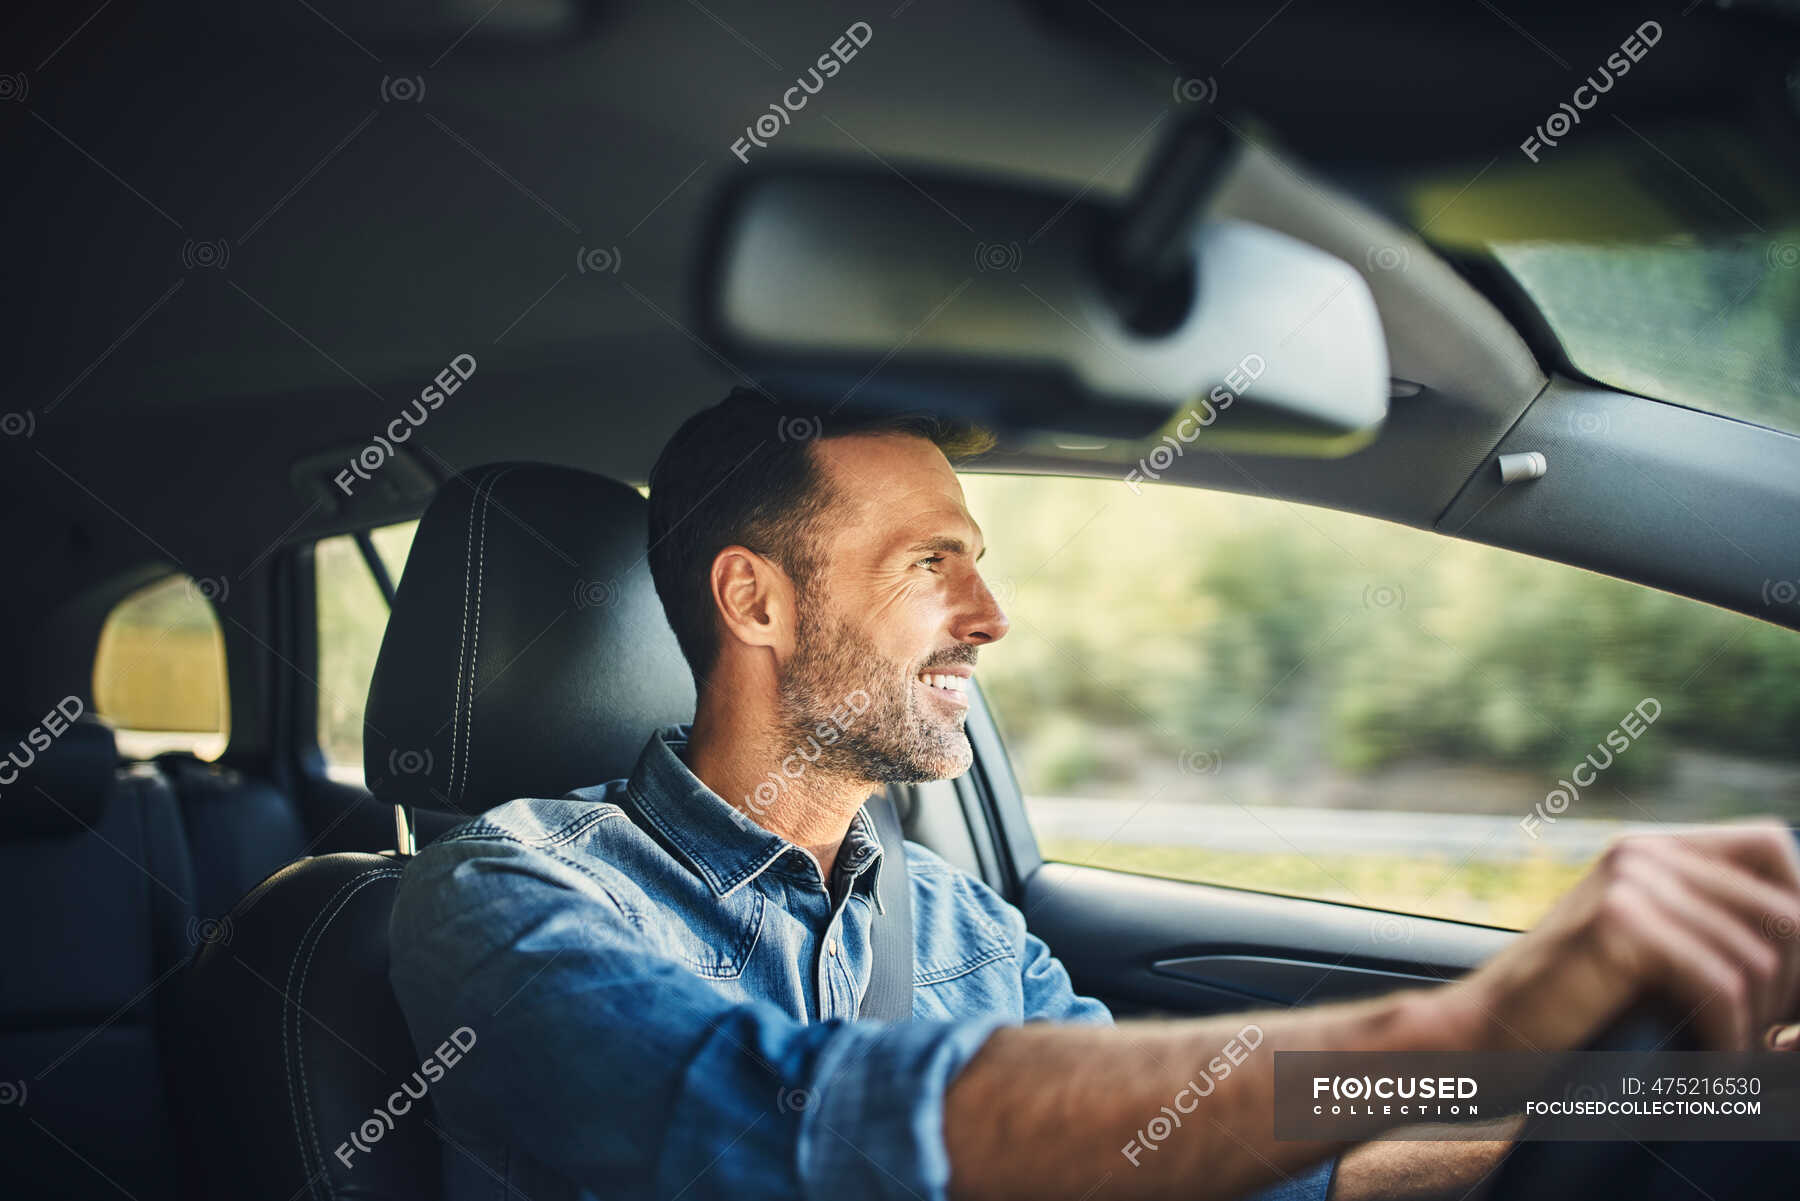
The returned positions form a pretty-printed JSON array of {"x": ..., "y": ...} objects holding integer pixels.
[{"x": 289, "y": 276}]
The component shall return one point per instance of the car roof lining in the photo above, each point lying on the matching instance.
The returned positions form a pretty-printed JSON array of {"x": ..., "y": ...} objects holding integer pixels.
[
  {"x": 178, "y": 448},
  {"x": 1477, "y": 374}
]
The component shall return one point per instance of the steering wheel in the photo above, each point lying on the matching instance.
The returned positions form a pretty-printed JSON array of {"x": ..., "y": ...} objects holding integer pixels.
[
  {"x": 1567, "y": 1171},
  {"x": 1680, "y": 1171},
  {"x": 1559, "y": 1171}
]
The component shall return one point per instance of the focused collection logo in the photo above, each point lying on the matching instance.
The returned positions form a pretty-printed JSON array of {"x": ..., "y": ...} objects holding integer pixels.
[{"x": 1396, "y": 1096}]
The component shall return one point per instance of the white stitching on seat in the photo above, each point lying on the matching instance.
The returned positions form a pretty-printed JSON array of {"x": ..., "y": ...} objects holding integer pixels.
[
  {"x": 371, "y": 877},
  {"x": 355, "y": 883},
  {"x": 462, "y": 648},
  {"x": 475, "y": 653}
]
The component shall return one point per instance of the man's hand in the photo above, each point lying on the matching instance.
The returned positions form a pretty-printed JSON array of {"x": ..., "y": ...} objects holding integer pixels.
[{"x": 1707, "y": 920}]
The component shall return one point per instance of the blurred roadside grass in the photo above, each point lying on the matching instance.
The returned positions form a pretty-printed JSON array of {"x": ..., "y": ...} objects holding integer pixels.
[{"x": 1513, "y": 894}]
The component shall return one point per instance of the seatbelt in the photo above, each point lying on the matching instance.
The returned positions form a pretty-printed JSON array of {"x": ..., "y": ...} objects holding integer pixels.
[{"x": 889, "y": 997}]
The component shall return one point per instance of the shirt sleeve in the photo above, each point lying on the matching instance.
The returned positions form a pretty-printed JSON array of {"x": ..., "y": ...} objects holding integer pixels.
[
  {"x": 616, "y": 1067},
  {"x": 1049, "y": 995},
  {"x": 1045, "y": 991},
  {"x": 1310, "y": 1184}
]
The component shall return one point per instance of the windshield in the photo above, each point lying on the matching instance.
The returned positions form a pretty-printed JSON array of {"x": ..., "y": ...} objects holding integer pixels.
[
  {"x": 1666, "y": 262},
  {"x": 1711, "y": 325}
]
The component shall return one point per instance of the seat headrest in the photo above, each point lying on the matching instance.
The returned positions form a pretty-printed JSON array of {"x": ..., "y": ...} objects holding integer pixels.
[
  {"x": 527, "y": 653},
  {"x": 54, "y": 783}
]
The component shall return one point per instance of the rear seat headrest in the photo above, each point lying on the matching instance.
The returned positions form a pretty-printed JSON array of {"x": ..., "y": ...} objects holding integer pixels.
[{"x": 54, "y": 777}]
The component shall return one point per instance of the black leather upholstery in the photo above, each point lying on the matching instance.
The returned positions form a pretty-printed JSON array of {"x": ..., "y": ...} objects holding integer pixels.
[
  {"x": 60, "y": 788},
  {"x": 239, "y": 829},
  {"x": 527, "y": 653},
  {"x": 290, "y": 1040},
  {"x": 98, "y": 890}
]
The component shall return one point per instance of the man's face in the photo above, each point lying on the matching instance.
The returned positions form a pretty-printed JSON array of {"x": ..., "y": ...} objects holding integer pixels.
[{"x": 888, "y": 627}]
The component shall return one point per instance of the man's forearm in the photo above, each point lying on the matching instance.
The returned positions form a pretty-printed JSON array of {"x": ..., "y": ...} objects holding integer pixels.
[
  {"x": 1398, "y": 1171},
  {"x": 1052, "y": 1110}
]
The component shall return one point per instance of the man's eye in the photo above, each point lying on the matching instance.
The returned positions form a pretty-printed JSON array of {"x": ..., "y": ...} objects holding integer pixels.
[{"x": 928, "y": 561}]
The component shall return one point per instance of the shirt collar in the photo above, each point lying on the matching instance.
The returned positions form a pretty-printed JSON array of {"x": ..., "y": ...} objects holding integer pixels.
[{"x": 722, "y": 845}]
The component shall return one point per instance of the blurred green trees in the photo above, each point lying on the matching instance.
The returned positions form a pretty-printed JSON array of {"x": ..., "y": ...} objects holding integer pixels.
[{"x": 1177, "y": 619}]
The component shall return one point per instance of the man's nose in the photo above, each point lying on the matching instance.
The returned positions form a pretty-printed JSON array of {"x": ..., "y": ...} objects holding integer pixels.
[{"x": 983, "y": 620}]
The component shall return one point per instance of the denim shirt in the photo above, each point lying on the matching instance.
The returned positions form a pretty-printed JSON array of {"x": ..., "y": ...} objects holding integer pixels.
[{"x": 660, "y": 1000}]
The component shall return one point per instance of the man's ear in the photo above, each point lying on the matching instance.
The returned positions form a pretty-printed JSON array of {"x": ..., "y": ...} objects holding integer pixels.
[{"x": 754, "y": 599}]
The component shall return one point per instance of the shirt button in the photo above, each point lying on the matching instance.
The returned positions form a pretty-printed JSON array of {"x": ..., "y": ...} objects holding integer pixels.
[{"x": 831, "y": 947}]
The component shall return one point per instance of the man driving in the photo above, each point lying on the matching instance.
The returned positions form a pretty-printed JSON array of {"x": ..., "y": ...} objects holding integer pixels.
[{"x": 665, "y": 973}]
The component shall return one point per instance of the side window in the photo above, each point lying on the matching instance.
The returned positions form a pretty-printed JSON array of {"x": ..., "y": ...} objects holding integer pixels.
[
  {"x": 352, "y": 615},
  {"x": 1255, "y": 693},
  {"x": 159, "y": 672}
]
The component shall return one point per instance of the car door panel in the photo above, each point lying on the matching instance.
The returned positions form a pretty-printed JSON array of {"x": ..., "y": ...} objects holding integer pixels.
[{"x": 1141, "y": 943}]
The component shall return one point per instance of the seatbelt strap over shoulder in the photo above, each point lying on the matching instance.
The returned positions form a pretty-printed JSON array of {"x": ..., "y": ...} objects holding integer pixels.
[{"x": 889, "y": 997}]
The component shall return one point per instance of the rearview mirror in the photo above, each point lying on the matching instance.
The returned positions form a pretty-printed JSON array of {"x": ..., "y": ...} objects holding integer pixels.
[{"x": 994, "y": 302}]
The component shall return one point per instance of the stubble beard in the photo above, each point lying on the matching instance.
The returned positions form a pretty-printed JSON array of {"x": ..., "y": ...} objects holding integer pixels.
[{"x": 892, "y": 739}]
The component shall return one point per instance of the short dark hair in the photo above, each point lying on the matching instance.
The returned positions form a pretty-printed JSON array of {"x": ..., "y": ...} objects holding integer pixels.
[{"x": 742, "y": 472}]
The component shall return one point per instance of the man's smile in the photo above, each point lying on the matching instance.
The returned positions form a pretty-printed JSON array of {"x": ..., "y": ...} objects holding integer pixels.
[{"x": 950, "y": 685}]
